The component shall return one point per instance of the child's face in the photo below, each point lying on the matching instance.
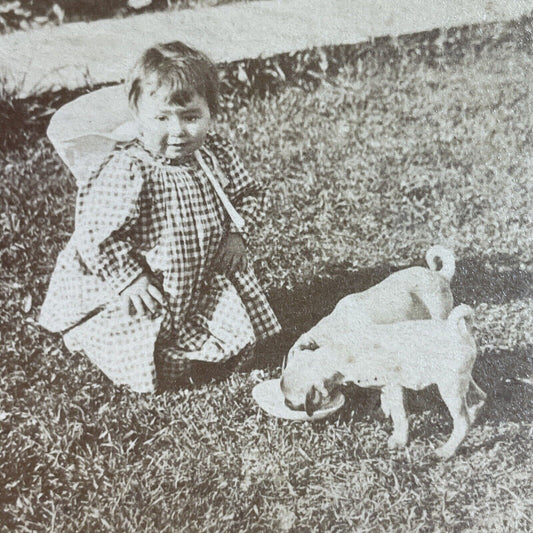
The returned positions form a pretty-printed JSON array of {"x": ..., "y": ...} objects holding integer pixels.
[{"x": 171, "y": 129}]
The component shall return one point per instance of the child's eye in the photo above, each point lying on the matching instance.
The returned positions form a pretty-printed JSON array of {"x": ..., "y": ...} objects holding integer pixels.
[
  {"x": 192, "y": 118},
  {"x": 161, "y": 118}
]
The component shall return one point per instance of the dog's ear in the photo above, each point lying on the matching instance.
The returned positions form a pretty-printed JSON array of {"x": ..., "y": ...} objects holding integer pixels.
[
  {"x": 333, "y": 383},
  {"x": 313, "y": 398},
  {"x": 308, "y": 344}
]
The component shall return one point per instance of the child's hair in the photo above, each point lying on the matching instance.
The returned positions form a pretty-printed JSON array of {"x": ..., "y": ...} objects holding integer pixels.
[{"x": 182, "y": 70}]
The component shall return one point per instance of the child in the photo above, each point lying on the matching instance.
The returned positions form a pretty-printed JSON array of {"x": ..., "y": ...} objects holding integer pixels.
[{"x": 155, "y": 276}]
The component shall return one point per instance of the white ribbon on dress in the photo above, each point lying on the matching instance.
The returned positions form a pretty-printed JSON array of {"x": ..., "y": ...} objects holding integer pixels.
[{"x": 232, "y": 212}]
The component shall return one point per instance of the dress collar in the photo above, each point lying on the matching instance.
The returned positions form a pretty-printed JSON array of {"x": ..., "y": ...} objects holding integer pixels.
[{"x": 162, "y": 160}]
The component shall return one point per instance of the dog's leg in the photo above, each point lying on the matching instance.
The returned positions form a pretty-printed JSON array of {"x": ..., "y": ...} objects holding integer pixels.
[
  {"x": 473, "y": 410},
  {"x": 438, "y": 301},
  {"x": 385, "y": 406},
  {"x": 393, "y": 406},
  {"x": 478, "y": 390},
  {"x": 454, "y": 396}
]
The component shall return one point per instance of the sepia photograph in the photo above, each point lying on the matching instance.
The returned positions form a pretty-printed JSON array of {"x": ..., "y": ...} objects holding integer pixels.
[{"x": 266, "y": 266}]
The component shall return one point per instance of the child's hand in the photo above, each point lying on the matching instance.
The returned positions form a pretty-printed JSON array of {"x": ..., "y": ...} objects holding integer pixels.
[
  {"x": 231, "y": 257},
  {"x": 142, "y": 297}
]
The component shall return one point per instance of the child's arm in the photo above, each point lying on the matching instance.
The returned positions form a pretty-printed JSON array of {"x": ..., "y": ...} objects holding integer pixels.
[
  {"x": 231, "y": 256},
  {"x": 106, "y": 211},
  {"x": 246, "y": 195},
  {"x": 142, "y": 296}
]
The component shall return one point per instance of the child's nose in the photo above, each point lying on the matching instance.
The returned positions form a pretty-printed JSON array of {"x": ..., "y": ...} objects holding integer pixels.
[{"x": 175, "y": 127}]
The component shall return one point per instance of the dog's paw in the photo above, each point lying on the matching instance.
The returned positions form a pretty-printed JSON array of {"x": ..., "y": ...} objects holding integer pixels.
[{"x": 396, "y": 442}]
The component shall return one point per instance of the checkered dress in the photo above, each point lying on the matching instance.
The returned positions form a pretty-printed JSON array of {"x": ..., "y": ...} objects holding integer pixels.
[{"x": 142, "y": 212}]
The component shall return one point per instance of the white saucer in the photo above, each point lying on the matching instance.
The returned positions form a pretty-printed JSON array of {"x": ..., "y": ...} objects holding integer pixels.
[{"x": 270, "y": 398}]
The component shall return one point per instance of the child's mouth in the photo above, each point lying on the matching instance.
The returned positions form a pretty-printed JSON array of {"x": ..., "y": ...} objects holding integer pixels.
[{"x": 177, "y": 146}]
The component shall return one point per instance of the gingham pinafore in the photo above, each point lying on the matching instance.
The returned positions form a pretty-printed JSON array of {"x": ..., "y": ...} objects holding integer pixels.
[{"x": 142, "y": 212}]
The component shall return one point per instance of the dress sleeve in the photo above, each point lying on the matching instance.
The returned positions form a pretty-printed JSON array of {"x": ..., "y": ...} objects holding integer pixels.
[
  {"x": 106, "y": 210},
  {"x": 247, "y": 196}
]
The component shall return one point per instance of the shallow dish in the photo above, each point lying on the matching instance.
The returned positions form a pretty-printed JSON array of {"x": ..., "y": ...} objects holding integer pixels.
[{"x": 269, "y": 397}]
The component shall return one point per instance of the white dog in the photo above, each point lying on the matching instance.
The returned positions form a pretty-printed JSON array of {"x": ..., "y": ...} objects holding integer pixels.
[
  {"x": 412, "y": 354},
  {"x": 411, "y": 294}
]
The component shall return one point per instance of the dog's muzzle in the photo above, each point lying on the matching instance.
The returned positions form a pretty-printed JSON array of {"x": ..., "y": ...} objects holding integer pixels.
[{"x": 292, "y": 406}]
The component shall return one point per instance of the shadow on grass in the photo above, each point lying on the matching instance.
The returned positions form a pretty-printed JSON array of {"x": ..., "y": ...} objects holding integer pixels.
[
  {"x": 497, "y": 372},
  {"x": 500, "y": 375},
  {"x": 301, "y": 308},
  {"x": 474, "y": 283}
]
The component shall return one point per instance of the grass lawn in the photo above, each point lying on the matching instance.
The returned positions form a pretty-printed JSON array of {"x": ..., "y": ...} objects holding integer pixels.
[{"x": 366, "y": 172}]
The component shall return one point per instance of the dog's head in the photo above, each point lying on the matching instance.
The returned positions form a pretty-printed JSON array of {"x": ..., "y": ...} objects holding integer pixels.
[{"x": 308, "y": 381}]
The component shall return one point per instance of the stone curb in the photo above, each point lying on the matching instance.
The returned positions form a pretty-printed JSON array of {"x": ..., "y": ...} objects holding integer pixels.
[{"x": 79, "y": 54}]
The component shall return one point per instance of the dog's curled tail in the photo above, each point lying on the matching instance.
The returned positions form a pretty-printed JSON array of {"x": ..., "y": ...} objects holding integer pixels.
[
  {"x": 458, "y": 316},
  {"x": 440, "y": 254}
]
